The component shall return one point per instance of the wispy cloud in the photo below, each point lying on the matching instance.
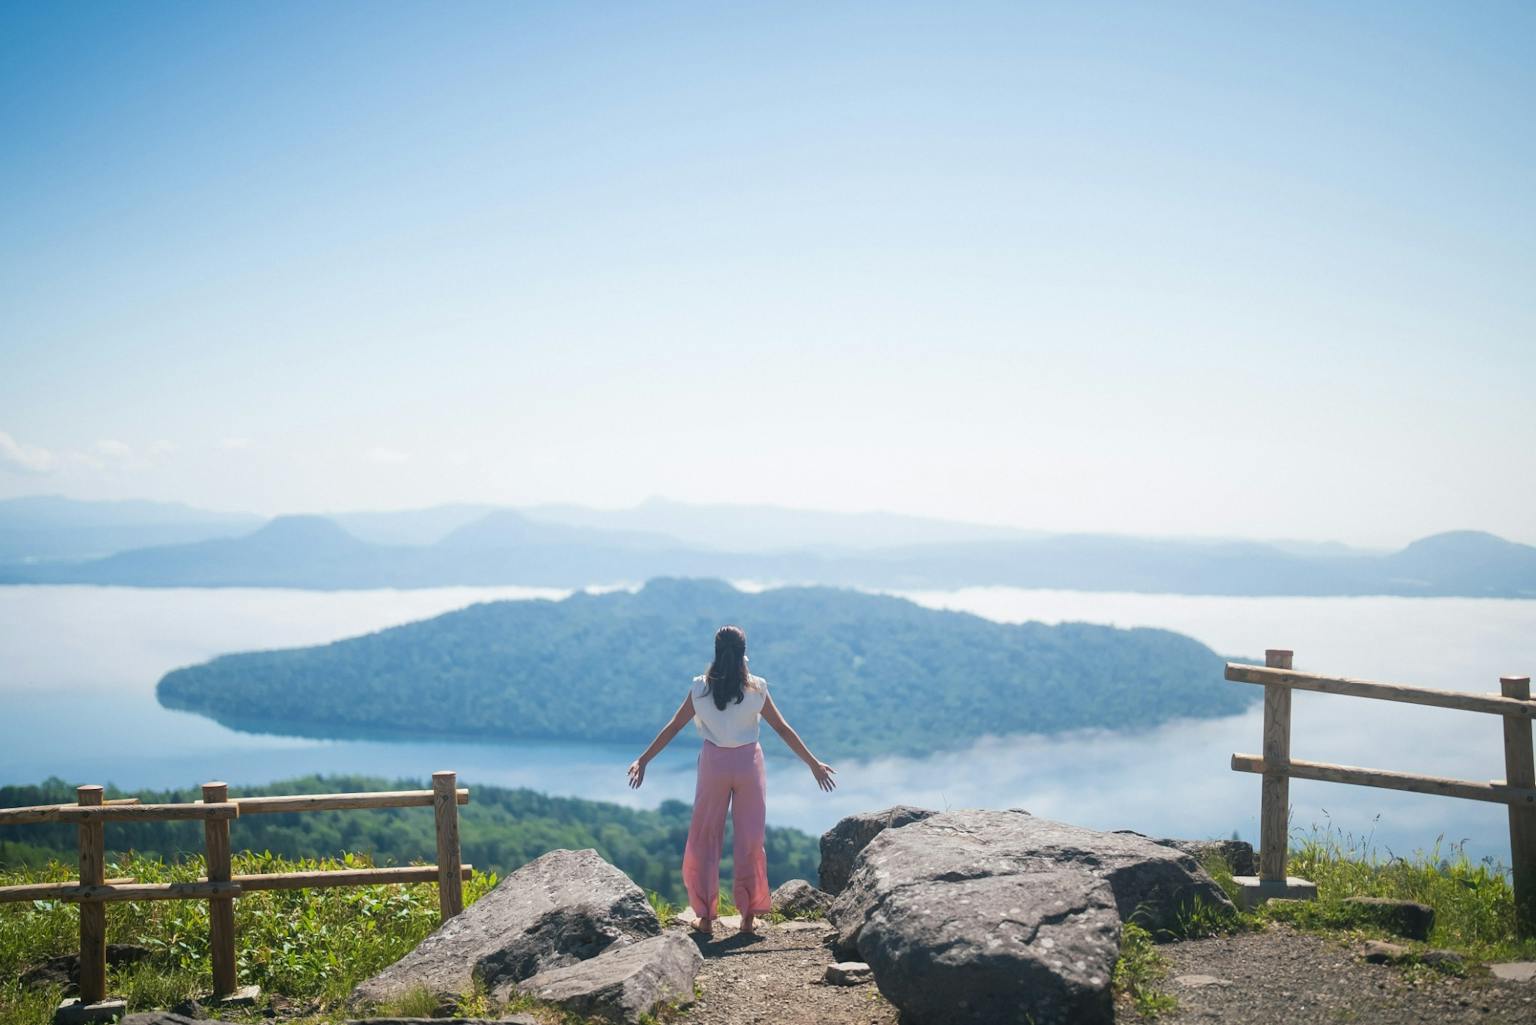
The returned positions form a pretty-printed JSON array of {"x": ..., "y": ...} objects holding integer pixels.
[
  {"x": 25, "y": 458},
  {"x": 235, "y": 444},
  {"x": 110, "y": 450}
]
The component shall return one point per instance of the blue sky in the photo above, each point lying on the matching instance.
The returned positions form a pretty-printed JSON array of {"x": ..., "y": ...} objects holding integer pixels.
[{"x": 1163, "y": 269}]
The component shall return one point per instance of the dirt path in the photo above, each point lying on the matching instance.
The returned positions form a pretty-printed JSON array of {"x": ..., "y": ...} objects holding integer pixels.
[
  {"x": 777, "y": 979},
  {"x": 1284, "y": 977},
  {"x": 1276, "y": 977}
]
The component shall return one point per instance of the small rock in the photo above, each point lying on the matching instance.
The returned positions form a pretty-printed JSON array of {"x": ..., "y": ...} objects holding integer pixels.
[
  {"x": 622, "y": 983},
  {"x": 800, "y": 926},
  {"x": 1445, "y": 960},
  {"x": 1514, "y": 971},
  {"x": 1199, "y": 981},
  {"x": 1382, "y": 952},
  {"x": 188, "y": 1008},
  {"x": 1405, "y": 918},
  {"x": 64, "y": 970},
  {"x": 849, "y": 973},
  {"x": 799, "y": 899}
]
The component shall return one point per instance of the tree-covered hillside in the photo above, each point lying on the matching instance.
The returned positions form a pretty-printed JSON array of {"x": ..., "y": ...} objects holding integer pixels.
[
  {"x": 856, "y": 674},
  {"x": 499, "y": 830}
]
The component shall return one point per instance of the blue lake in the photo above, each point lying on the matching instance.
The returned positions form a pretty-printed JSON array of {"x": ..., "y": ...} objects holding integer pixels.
[{"x": 78, "y": 667}]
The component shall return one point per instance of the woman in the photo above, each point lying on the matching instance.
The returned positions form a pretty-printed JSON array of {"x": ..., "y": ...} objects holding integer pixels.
[{"x": 727, "y": 702}]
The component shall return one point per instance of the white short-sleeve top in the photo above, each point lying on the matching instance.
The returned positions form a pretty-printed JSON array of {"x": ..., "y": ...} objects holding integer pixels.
[{"x": 734, "y": 725}]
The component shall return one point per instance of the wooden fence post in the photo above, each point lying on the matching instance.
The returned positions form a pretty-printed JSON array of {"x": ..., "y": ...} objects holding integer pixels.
[
  {"x": 1275, "y": 804},
  {"x": 1520, "y": 771},
  {"x": 93, "y": 913},
  {"x": 221, "y": 910},
  {"x": 445, "y": 803}
]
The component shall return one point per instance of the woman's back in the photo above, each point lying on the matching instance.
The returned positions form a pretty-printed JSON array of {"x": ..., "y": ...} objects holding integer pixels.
[{"x": 734, "y": 725}]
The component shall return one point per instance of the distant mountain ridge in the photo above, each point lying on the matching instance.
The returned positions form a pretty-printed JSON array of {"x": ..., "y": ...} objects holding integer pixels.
[
  {"x": 857, "y": 674},
  {"x": 504, "y": 546},
  {"x": 44, "y": 528}
]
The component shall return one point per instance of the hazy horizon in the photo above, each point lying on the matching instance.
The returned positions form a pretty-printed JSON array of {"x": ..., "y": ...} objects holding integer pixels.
[
  {"x": 1171, "y": 271},
  {"x": 651, "y": 500}
]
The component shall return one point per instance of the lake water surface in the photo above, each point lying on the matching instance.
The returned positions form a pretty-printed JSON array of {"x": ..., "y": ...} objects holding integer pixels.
[{"x": 78, "y": 666}]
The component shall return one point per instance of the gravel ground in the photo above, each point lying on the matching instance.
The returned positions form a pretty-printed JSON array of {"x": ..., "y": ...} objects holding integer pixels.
[
  {"x": 777, "y": 979},
  {"x": 1275, "y": 977},
  {"x": 1284, "y": 977}
]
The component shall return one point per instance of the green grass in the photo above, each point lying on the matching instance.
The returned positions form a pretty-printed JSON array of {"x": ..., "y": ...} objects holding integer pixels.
[
  {"x": 1139, "y": 971},
  {"x": 1473, "y": 901},
  {"x": 306, "y": 945}
]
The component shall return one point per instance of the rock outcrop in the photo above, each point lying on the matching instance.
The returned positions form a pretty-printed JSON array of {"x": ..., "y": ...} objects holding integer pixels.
[
  {"x": 841, "y": 844},
  {"x": 64, "y": 970},
  {"x": 1237, "y": 853},
  {"x": 799, "y": 899},
  {"x": 622, "y": 983},
  {"x": 1403, "y": 917},
  {"x": 557, "y": 910},
  {"x": 986, "y": 916}
]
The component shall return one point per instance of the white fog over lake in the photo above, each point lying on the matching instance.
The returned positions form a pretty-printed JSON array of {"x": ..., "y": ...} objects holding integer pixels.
[{"x": 78, "y": 667}]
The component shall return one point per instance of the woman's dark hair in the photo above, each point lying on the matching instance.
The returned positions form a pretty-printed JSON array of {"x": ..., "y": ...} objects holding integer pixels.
[{"x": 726, "y": 680}]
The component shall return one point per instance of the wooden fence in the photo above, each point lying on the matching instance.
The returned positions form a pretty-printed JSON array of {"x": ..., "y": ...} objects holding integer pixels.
[
  {"x": 1517, "y": 789},
  {"x": 93, "y": 891}
]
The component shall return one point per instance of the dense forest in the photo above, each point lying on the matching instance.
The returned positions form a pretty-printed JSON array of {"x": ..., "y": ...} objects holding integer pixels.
[
  {"x": 500, "y": 829},
  {"x": 856, "y": 674}
]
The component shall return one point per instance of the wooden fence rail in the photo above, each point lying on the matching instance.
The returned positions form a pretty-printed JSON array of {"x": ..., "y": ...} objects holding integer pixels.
[
  {"x": 217, "y": 810},
  {"x": 1517, "y": 789}
]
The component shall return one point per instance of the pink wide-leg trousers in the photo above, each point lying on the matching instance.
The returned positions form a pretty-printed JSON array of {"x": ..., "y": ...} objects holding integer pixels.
[{"x": 728, "y": 777}]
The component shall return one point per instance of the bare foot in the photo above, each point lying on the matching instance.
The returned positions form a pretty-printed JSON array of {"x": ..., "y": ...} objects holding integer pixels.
[
  {"x": 704, "y": 927},
  {"x": 747, "y": 925}
]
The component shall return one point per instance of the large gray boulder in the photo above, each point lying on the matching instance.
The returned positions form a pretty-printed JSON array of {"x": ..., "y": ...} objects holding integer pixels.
[
  {"x": 841, "y": 844},
  {"x": 621, "y": 984},
  {"x": 988, "y": 916},
  {"x": 559, "y": 909},
  {"x": 797, "y": 898}
]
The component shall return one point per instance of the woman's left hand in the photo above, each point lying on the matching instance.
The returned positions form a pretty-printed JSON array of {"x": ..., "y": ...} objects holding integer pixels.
[
  {"x": 824, "y": 773},
  {"x": 636, "y": 773}
]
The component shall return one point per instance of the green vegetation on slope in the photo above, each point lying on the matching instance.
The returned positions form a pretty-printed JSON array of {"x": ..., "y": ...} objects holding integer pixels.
[
  {"x": 500, "y": 829},
  {"x": 856, "y": 674}
]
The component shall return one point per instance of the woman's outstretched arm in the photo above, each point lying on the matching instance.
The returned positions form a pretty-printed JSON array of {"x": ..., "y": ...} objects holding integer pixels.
[
  {"x": 821, "y": 770},
  {"x": 679, "y": 720}
]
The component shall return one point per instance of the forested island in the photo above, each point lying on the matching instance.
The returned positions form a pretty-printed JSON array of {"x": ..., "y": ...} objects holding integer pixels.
[
  {"x": 856, "y": 674},
  {"x": 500, "y": 829}
]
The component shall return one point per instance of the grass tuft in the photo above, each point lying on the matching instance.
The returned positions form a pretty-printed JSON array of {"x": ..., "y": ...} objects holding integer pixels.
[{"x": 1139, "y": 972}]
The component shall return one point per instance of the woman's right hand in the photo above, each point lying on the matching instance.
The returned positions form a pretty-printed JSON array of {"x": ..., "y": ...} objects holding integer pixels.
[
  {"x": 636, "y": 773},
  {"x": 824, "y": 773}
]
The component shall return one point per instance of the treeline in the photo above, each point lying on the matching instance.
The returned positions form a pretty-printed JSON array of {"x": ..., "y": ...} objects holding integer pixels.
[
  {"x": 500, "y": 829},
  {"x": 857, "y": 674}
]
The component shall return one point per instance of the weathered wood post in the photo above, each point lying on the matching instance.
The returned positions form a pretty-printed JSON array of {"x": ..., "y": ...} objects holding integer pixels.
[
  {"x": 445, "y": 804},
  {"x": 1275, "y": 799},
  {"x": 221, "y": 910},
  {"x": 1275, "y": 804},
  {"x": 1520, "y": 771},
  {"x": 93, "y": 913}
]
